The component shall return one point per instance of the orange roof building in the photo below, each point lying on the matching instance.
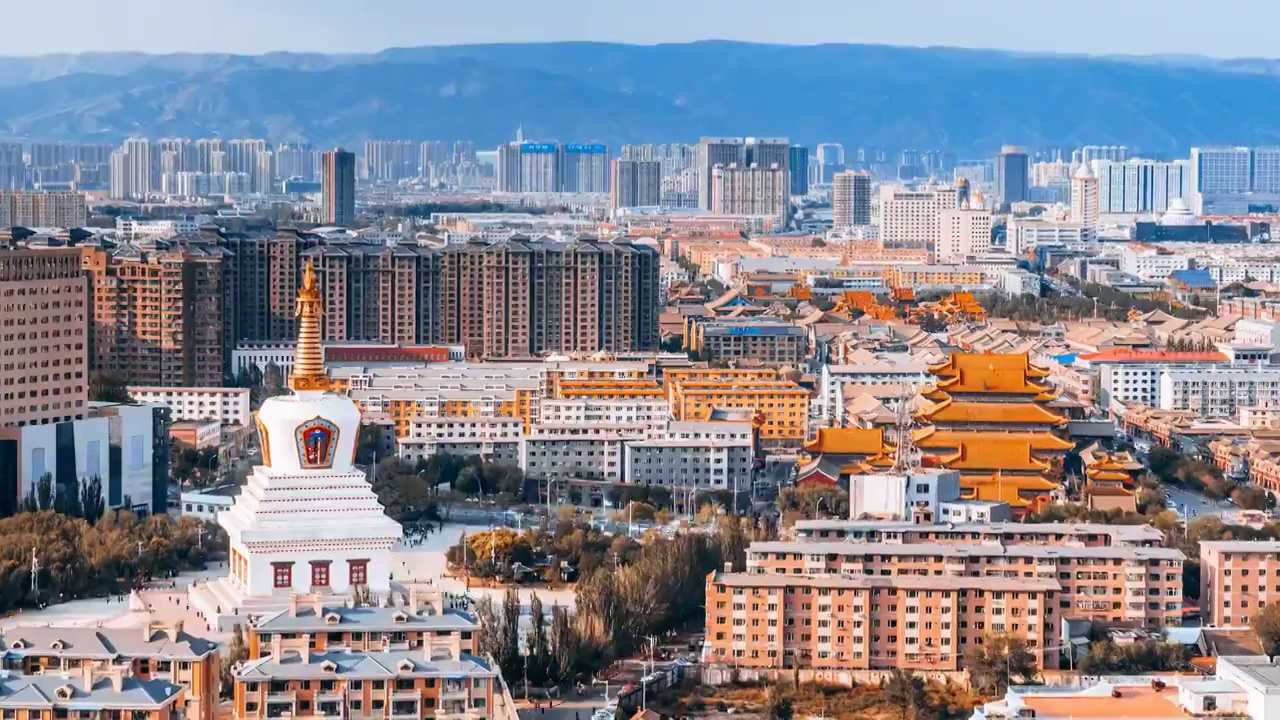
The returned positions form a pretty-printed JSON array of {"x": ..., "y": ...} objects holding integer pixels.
[
  {"x": 837, "y": 453},
  {"x": 988, "y": 417}
]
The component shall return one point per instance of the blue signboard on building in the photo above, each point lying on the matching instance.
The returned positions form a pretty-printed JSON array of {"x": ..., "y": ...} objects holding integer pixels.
[
  {"x": 531, "y": 147},
  {"x": 587, "y": 148}
]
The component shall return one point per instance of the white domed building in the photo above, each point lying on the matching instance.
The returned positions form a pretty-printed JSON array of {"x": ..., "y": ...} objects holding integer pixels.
[
  {"x": 1178, "y": 214},
  {"x": 307, "y": 521}
]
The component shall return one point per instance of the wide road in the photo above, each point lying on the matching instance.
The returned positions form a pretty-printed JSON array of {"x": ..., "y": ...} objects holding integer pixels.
[{"x": 1191, "y": 504}]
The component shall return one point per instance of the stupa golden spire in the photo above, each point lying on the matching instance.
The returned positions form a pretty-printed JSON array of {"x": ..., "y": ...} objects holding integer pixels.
[{"x": 308, "y": 356}]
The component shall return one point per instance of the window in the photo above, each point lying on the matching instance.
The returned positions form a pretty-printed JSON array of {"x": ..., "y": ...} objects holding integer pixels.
[
  {"x": 358, "y": 573},
  {"x": 283, "y": 572},
  {"x": 320, "y": 573}
]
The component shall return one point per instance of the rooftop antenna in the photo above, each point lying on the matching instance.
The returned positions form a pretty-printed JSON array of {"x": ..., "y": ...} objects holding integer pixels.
[{"x": 906, "y": 458}]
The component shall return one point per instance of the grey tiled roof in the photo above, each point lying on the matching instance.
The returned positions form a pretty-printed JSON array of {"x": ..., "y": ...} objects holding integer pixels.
[
  {"x": 364, "y": 619},
  {"x": 79, "y": 642},
  {"x": 73, "y": 693},
  {"x": 356, "y": 666}
]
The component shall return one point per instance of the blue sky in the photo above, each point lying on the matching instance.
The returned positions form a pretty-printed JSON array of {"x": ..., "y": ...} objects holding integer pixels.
[{"x": 1229, "y": 28}]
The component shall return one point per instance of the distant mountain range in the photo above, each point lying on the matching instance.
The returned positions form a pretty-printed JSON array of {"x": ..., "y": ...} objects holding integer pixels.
[{"x": 966, "y": 101}]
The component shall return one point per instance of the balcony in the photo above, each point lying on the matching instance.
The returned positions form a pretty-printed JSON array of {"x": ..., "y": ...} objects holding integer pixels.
[{"x": 454, "y": 690}]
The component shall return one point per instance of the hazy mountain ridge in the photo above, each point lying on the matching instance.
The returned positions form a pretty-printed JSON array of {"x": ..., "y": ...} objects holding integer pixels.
[{"x": 968, "y": 101}]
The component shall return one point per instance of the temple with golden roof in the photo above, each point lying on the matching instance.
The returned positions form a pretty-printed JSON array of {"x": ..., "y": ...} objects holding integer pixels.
[
  {"x": 836, "y": 453},
  {"x": 988, "y": 417}
]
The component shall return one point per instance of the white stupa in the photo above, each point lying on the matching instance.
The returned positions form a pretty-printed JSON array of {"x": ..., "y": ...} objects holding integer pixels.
[
  {"x": 1179, "y": 214},
  {"x": 307, "y": 521}
]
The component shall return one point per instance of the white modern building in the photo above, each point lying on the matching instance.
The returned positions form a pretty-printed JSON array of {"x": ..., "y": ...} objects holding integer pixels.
[
  {"x": 908, "y": 372},
  {"x": 1084, "y": 199},
  {"x": 1152, "y": 264},
  {"x": 493, "y": 439},
  {"x": 259, "y": 355},
  {"x": 900, "y": 496},
  {"x": 911, "y": 218},
  {"x": 1219, "y": 392},
  {"x": 1140, "y": 187},
  {"x": 652, "y": 413},
  {"x": 205, "y": 504},
  {"x": 962, "y": 232},
  {"x": 1027, "y": 233},
  {"x": 581, "y": 452},
  {"x": 229, "y": 406},
  {"x": 697, "y": 455},
  {"x": 83, "y": 449},
  {"x": 1258, "y": 332}
]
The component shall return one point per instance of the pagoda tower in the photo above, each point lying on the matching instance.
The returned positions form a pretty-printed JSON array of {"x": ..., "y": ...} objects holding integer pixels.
[
  {"x": 307, "y": 521},
  {"x": 989, "y": 418}
]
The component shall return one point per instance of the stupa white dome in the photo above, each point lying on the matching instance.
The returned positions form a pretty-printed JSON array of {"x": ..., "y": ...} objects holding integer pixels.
[{"x": 1179, "y": 214}]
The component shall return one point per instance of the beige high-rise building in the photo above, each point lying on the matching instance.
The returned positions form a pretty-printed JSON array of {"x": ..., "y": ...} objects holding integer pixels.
[
  {"x": 963, "y": 232},
  {"x": 1085, "y": 199},
  {"x": 912, "y": 218},
  {"x": 42, "y": 209},
  {"x": 523, "y": 297},
  {"x": 754, "y": 190},
  {"x": 157, "y": 314},
  {"x": 378, "y": 293},
  {"x": 44, "y": 332}
]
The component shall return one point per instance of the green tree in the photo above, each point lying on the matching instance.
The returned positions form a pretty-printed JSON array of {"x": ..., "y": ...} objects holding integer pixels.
[
  {"x": 92, "y": 505},
  {"x": 369, "y": 444},
  {"x": 107, "y": 388},
  {"x": 1250, "y": 497},
  {"x": 1266, "y": 623},
  {"x": 778, "y": 704},
  {"x": 997, "y": 661},
  {"x": 906, "y": 692},
  {"x": 237, "y": 652},
  {"x": 538, "y": 648},
  {"x": 273, "y": 381}
]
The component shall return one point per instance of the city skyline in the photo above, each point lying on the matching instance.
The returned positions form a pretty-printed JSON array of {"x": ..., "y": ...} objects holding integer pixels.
[{"x": 329, "y": 26}]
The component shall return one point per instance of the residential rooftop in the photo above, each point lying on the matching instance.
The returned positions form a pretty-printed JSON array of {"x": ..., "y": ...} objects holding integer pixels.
[
  {"x": 902, "y": 582},
  {"x": 364, "y": 619},
  {"x": 292, "y": 665},
  {"x": 1118, "y": 552},
  {"x": 152, "y": 641}
]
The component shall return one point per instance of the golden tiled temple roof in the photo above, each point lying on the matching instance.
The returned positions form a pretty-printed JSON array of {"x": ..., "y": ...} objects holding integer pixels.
[
  {"x": 990, "y": 373},
  {"x": 995, "y": 454},
  {"x": 929, "y": 438},
  {"x": 848, "y": 441},
  {"x": 1020, "y": 413}
]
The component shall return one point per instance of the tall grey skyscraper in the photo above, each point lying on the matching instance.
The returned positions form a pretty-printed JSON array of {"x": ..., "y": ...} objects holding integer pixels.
[
  {"x": 584, "y": 168},
  {"x": 851, "y": 199},
  {"x": 508, "y": 170},
  {"x": 1235, "y": 180},
  {"x": 12, "y": 167},
  {"x": 389, "y": 160},
  {"x": 242, "y": 154},
  {"x": 1140, "y": 186},
  {"x": 636, "y": 183},
  {"x": 754, "y": 190},
  {"x": 713, "y": 152},
  {"x": 139, "y": 168},
  {"x": 1110, "y": 153},
  {"x": 205, "y": 148},
  {"x": 297, "y": 160},
  {"x": 1013, "y": 175},
  {"x": 338, "y": 184},
  {"x": 799, "y": 169}
]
